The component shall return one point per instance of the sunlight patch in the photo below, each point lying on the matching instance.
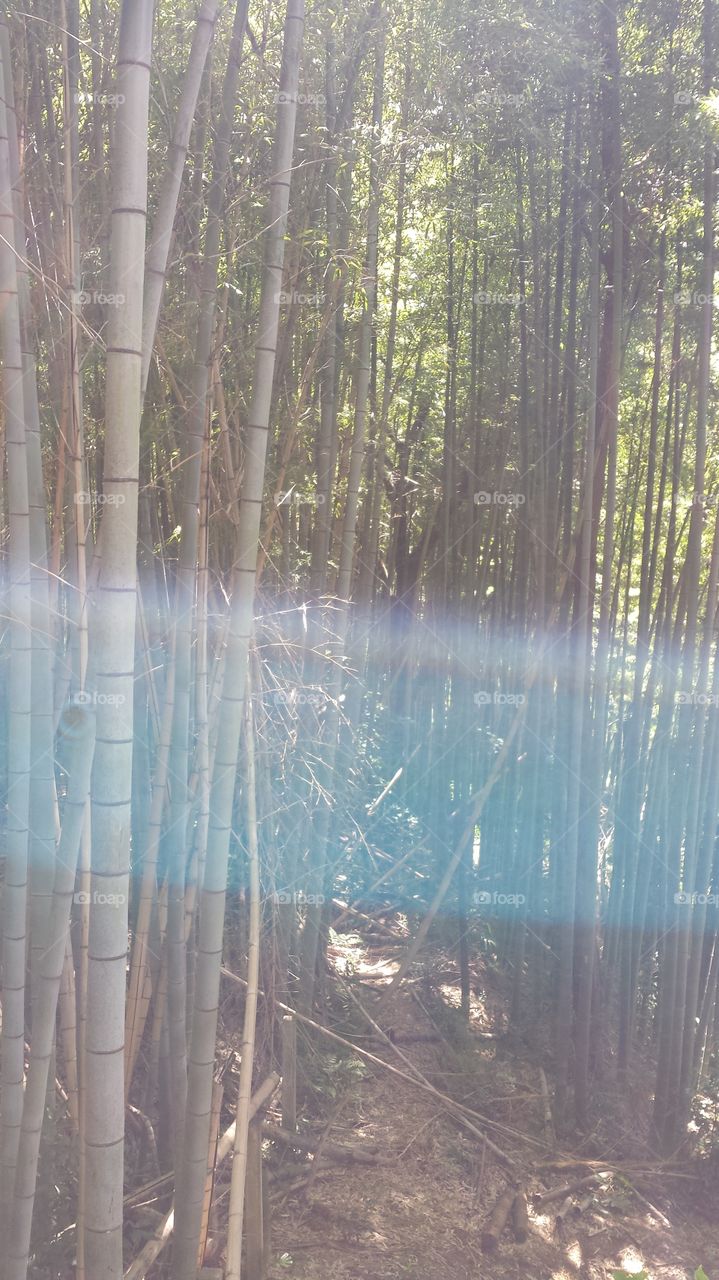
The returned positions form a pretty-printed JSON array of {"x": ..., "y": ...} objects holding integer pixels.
[
  {"x": 574, "y": 1253},
  {"x": 631, "y": 1261}
]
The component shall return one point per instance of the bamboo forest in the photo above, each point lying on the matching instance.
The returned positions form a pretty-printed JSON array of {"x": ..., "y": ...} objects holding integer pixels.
[{"x": 359, "y": 640}]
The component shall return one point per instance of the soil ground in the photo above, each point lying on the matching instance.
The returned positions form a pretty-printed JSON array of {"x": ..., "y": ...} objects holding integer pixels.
[{"x": 421, "y": 1214}]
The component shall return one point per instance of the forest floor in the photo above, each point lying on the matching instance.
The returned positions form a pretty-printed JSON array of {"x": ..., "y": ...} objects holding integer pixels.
[{"x": 421, "y": 1212}]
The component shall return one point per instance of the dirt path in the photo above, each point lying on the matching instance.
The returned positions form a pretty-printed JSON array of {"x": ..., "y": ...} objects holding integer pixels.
[{"x": 422, "y": 1214}]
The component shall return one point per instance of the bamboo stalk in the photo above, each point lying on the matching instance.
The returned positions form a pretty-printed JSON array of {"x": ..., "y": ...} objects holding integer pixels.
[
  {"x": 68, "y": 1032},
  {"x": 190, "y": 1183},
  {"x": 244, "y": 1142},
  {"x": 78, "y": 729},
  {"x": 139, "y": 1268},
  {"x": 160, "y": 239},
  {"x": 254, "y": 1234},
  {"x": 192, "y": 452},
  {"x": 289, "y": 1073},
  {"x": 217, "y": 1094},
  {"x": 113, "y": 648},
  {"x": 138, "y": 995},
  {"x": 14, "y": 904}
]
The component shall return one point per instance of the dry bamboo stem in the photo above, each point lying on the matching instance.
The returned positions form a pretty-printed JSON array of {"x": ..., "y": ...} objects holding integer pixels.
[
  {"x": 497, "y": 1221},
  {"x": 138, "y": 991},
  {"x": 254, "y": 1233},
  {"x": 289, "y": 1073},
  {"x": 242, "y": 1137},
  {"x": 153, "y": 1248},
  {"x": 520, "y": 1217},
  {"x": 217, "y": 1093}
]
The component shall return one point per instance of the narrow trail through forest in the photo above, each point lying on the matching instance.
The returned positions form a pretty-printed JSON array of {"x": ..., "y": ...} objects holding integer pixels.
[{"x": 421, "y": 1212}]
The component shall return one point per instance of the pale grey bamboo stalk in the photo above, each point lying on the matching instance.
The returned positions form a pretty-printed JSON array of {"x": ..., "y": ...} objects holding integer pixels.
[
  {"x": 161, "y": 235},
  {"x": 191, "y": 1175},
  {"x": 81, "y": 531},
  {"x": 136, "y": 1009},
  {"x": 328, "y": 378},
  {"x": 113, "y": 652},
  {"x": 67, "y": 1034},
  {"x": 77, "y": 727},
  {"x": 193, "y": 445},
  {"x": 82, "y": 539},
  {"x": 41, "y": 851},
  {"x": 376, "y": 494},
  {"x": 322, "y": 825},
  {"x": 12, "y": 1043},
  {"x": 201, "y": 791},
  {"x": 83, "y": 542},
  {"x": 349, "y": 526},
  {"x": 42, "y": 798},
  {"x": 142, "y": 1263},
  {"x": 236, "y": 1208}
]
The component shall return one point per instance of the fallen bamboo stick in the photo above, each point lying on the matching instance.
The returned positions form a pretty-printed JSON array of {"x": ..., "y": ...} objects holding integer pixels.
[
  {"x": 652, "y": 1207},
  {"x": 571, "y": 1208},
  {"x": 549, "y": 1130},
  {"x": 259, "y": 1099},
  {"x": 563, "y": 1212},
  {"x": 333, "y": 1151},
  {"x": 144, "y": 1260},
  {"x": 559, "y": 1193},
  {"x": 362, "y": 915},
  {"x": 520, "y": 1217},
  {"x": 498, "y": 1220},
  {"x": 395, "y": 867}
]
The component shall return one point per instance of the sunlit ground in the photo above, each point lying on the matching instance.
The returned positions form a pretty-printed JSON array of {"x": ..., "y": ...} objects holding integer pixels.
[
  {"x": 574, "y": 1253},
  {"x": 348, "y": 954},
  {"x": 477, "y": 1006},
  {"x": 630, "y": 1260}
]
